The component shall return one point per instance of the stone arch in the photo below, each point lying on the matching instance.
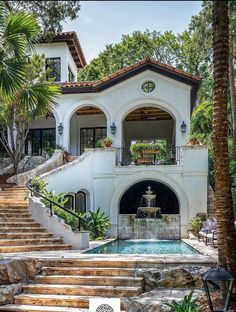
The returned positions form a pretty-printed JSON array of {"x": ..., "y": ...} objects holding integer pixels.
[{"x": 141, "y": 176}]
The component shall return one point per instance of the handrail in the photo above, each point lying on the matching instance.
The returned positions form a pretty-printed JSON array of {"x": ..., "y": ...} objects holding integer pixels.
[{"x": 51, "y": 203}]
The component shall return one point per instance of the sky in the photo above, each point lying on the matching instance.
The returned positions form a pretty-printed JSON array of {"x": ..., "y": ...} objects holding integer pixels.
[{"x": 103, "y": 22}]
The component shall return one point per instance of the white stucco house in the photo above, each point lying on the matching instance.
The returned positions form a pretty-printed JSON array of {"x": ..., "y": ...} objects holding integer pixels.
[{"x": 146, "y": 102}]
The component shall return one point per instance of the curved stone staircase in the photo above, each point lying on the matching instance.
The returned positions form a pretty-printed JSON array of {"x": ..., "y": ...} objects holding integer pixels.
[
  {"x": 68, "y": 284},
  {"x": 18, "y": 230}
]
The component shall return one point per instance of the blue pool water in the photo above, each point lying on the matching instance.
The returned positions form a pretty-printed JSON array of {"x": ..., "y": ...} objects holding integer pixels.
[{"x": 145, "y": 247}]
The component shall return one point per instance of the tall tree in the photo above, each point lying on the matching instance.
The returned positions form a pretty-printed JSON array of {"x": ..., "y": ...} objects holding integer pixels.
[
  {"x": 49, "y": 13},
  {"x": 24, "y": 95},
  {"x": 223, "y": 197}
]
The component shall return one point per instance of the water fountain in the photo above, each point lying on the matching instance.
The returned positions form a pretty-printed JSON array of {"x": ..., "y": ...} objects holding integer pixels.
[{"x": 148, "y": 211}]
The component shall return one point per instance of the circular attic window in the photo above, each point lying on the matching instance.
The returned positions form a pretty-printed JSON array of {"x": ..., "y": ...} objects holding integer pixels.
[{"x": 148, "y": 86}]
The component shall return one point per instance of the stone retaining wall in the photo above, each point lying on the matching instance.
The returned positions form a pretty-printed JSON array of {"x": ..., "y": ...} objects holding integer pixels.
[{"x": 168, "y": 227}]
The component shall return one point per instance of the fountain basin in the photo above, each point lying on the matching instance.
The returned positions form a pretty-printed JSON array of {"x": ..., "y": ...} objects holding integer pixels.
[{"x": 149, "y": 212}]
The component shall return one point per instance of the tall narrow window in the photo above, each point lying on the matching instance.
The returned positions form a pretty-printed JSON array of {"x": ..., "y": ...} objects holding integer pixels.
[
  {"x": 80, "y": 201},
  {"x": 70, "y": 201},
  {"x": 71, "y": 77},
  {"x": 53, "y": 68}
]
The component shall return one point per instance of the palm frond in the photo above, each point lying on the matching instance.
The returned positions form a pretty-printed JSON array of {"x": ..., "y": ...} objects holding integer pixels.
[
  {"x": 20, "y": 31},
  {"x": 12, "y": 75},
  {"x": 37, "y": 99}
]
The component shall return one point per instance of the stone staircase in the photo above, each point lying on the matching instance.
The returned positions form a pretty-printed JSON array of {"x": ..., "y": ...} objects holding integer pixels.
[
  {"x": 68, "y": 284},
  {"x": 18, "y": 230}
]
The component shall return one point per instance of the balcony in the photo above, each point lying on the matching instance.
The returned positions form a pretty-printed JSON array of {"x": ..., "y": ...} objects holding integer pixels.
[{"x": 150, "y": 157}]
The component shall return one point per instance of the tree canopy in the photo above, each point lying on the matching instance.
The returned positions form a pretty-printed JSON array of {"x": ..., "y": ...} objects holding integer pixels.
[{"x": 49, "y": 13}]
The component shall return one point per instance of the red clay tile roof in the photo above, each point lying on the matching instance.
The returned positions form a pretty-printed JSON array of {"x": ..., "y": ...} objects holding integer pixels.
[
  {"x": 72, "y": 41},
  {"x": 130, "y": 71}
]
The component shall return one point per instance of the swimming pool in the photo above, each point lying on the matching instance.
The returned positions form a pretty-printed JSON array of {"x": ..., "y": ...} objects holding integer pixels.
[{"x": 145, "y": 247}]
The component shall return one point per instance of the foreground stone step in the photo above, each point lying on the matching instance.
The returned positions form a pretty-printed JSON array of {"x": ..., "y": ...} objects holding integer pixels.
[
  {"x": 83, "y": 290},
  {"x": 25, "y": 235},
  {"x": 54, "y": 300},
  {"x": 89, "y": 263},
  {"x": 87, "y": 271},
  {"x": 25, "y": 229},
  {"x": 34, "y": 308},
  {"x": 13, "y": 206},
  {"x": 17, "y": 219},
  {"x": 32, "y": 241},
  {"x": 26, "y": 248},
  {"x": 89, "y": 280}
]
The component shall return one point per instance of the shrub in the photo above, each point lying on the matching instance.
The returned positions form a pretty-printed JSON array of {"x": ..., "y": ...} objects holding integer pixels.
[
  {"x": 38, "y": 184},
  {"x": 196, "y": 225},
  {"x": 185, "y": 305},
  {"x": 97, "y": 223}
]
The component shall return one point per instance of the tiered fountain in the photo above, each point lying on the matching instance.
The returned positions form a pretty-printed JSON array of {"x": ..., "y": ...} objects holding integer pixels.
[{"x": 149, "y": 211}]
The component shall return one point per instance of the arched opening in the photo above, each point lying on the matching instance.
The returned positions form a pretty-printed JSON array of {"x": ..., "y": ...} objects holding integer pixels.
[
  {"x": 88, "y": 125},
  {"x": 165, "y": 198},
  {"x": 152, "y": 126},
  {"x": 80, "y": 201},
  {"x": 41, "y": 138}
]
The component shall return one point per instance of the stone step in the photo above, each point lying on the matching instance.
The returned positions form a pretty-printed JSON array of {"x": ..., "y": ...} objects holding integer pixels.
[
  {"x": 98, "y": 263},
  {"x": 87, "y": 271},
  {"x": 89, "y": 280},
  {"x": 31, "y": 241},
  {"x": 25, "y": 229},
  {"x": 15, "y": 214},
  {"x": 18, "y": 224},
  {"x": 34, "y": 308},
  {"x": 27, "y": 248},
  {"x": 14, "y": 206},
  {"x": 54, "y": 300},
  {"x": 83, "y": 290},
  {"x": 25, "y": 235},
  {"x": 17, "y": 220}
]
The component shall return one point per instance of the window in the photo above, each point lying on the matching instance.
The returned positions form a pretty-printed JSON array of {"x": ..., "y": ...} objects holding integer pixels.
[
  {"x": 90, "y": 136},
  {"x": 53, "y": 68},
  {"x": 70, "y": 201},
  {"x": 71, "y": 77},
  {"x": 148, "y": 86},
  {"x": 80, "y": 201},
  {"x": 39, "y": 141}
]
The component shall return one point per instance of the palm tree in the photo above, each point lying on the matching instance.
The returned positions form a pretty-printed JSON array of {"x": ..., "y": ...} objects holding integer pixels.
[
  {"x": 24, "y": 95},
  {"x": 224, "y": 206}
]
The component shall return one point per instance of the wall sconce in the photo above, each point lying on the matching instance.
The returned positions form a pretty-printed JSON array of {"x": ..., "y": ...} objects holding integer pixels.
[
  {"x": 183, "y": 127},
  {"x": 60, "y": 129},
  {"x": 113, "y": 129},
  {"x": 218, "y": 282}
]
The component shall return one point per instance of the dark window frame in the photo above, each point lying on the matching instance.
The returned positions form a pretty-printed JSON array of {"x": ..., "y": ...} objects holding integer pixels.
[
  {"x": 40, "y": 138},
  {"x": 94, "y": 132},
  {"x": 71, "y": 76},
  {"x": 85, "y": 201},
  {"x": 72, "y": 200},
  {"x": 49, "y": 62}
]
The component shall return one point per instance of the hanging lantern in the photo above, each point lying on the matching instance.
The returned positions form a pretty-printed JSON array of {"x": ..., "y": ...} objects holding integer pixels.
[
  {"x": 183, "y": 127},
  {"x": 113, "y": 129},
  {"x": 60, "y": 129}
]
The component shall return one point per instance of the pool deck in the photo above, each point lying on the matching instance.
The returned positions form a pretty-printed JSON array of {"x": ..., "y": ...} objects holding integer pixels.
[{"x": 208, "y": 256}]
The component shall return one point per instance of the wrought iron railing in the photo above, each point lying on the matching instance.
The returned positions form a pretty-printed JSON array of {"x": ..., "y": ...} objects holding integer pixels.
[
  {"x": 169, "y": 156},
  {"x": 52, "y": 203}
]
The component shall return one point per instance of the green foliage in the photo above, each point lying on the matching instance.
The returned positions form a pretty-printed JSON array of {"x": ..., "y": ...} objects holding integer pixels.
[
  {"x": 49, "y": 13},
  {"x": 196, "y": 225},
  {"x": 97, "y": 223},
  {"x": 98, "y": 144},
  {"x": 185, "y": 305},
  {"x": 38, "y": 184}
]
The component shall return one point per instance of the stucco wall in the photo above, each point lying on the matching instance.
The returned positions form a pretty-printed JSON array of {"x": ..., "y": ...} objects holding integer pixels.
[{"x": 97, "y": 173}]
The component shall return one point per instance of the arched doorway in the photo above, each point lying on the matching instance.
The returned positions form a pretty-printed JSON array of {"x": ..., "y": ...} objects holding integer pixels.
[
  {"x": 88, "y": 125},
  {"x": 165, "y": 198},
  {"x": 151, "y": 126}
]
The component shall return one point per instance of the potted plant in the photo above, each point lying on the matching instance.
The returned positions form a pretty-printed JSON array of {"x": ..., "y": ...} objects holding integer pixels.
[{"x": 107, "y": 142}]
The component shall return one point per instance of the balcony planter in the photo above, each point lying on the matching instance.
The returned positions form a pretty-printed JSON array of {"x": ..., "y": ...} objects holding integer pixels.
[{"x": 107, "y": 142}]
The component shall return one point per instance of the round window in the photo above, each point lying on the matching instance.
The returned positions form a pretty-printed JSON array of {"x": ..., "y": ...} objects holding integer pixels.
[{"x": 148, "y": 86}]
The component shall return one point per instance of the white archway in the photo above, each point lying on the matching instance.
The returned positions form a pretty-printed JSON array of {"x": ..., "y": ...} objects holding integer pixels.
[
  {"x": 69, "y": 113},
  {"x": 156, "y": 102},
  {"x": 155, "y": 176}
]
